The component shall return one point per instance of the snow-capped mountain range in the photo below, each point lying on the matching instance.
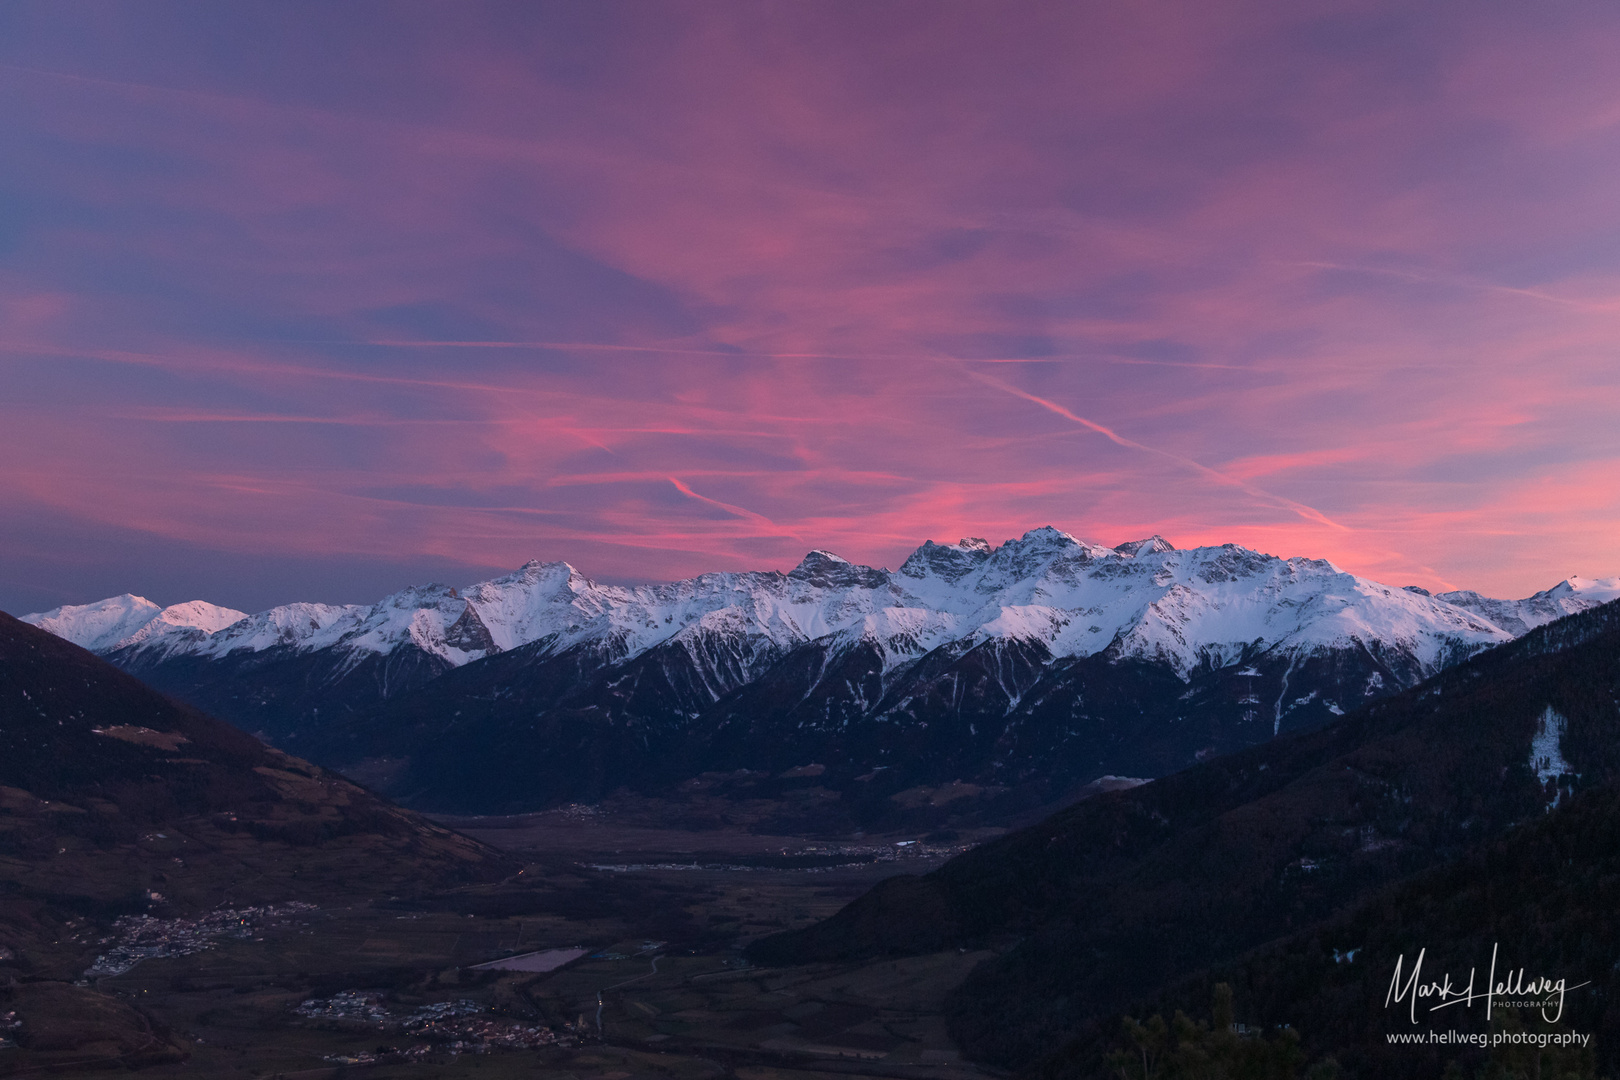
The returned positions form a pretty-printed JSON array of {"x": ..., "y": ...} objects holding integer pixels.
[
  {"x": 1145, "y": 597},
  {"x": 1042, "y": 657}
]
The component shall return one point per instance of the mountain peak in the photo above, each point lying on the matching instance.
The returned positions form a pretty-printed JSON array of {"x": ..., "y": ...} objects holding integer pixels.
[
  {"x": 534, "y": 570},
  {"x": 98, "y": 626},
  {"x": 949, "y": 562},
  {"x": 818, "y": 557},
  {"x": 536, "y": 565},
  {"x": 1047, "y": 534},
  {"x": 1600, "y": 590},
  {"x": 827, "y": 570},
  {"x": 1151, "y": 546}
]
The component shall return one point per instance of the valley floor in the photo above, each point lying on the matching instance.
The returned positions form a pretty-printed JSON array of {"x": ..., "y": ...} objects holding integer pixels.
[
  {"x": 633, "y": 829},
  {"x": 663, "y": 914}
]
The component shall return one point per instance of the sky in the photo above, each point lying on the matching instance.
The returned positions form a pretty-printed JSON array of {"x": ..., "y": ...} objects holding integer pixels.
[{"x": 311, "y": 301}]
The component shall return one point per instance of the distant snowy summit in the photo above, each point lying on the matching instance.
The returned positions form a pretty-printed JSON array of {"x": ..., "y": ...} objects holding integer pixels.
[
  {"x": 1142, "y": 599},
  {"x": 119, "y": 621}
]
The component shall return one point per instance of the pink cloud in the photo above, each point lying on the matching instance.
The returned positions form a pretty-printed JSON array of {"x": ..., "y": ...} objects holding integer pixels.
[{"x": 1335, "y": 284}]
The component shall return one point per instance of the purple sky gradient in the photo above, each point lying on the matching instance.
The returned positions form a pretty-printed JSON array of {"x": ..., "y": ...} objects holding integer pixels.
[{"x": 311, "y": 301}]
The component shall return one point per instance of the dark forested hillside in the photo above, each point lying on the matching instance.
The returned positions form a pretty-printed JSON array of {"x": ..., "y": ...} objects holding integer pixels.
[
  {"x": 1541, "y": 900},
  {"x": 526, "y": 728},
  {"x": 91, "y": 759},
  {"x": 115, "y": 800},
  {"x": 1121, "y": 895}
]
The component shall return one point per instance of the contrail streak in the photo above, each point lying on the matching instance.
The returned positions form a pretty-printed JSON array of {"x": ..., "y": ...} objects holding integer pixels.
[{"x": 1309, "y": 513}]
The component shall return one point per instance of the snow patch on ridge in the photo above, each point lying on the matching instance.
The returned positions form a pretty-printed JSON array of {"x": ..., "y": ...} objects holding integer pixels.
[
  {"x": 1547, "y": 752},
  {"x": 290, "y": 626},
  {"x": 1547, "y": 748},
  {"x": 1568, "y": 597}
]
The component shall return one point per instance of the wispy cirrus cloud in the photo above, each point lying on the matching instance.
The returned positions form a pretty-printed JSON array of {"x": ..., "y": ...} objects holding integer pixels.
[{"x": 661, "y": 290}]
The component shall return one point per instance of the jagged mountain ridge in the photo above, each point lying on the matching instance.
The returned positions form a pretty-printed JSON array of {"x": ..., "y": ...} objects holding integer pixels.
[
  {"x": 1041, "y": 656},
  {"x": 941, "y": 592}
]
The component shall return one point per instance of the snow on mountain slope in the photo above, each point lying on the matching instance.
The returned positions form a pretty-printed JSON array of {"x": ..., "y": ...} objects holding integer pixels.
[
  {"x": 1215, "y": 601},
  {"x": 98, "y": 626},
  {"x": 554, "y": 602},
  {"x": 1521, "y": 616},
  {"x": 1146, "y": 599},
  {"x": 1151, "y": 546},
  {"x": 126, "y": 620},
  {"x": 434, "y": 618},
  {"x": 179, "y": 625},
  {"x": 291, "y": 625},
  {"x": 1141, "y": 599}
]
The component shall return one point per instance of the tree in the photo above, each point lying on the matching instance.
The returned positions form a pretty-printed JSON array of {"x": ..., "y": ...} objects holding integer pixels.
[{"x": 1221, "y": 1049}]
